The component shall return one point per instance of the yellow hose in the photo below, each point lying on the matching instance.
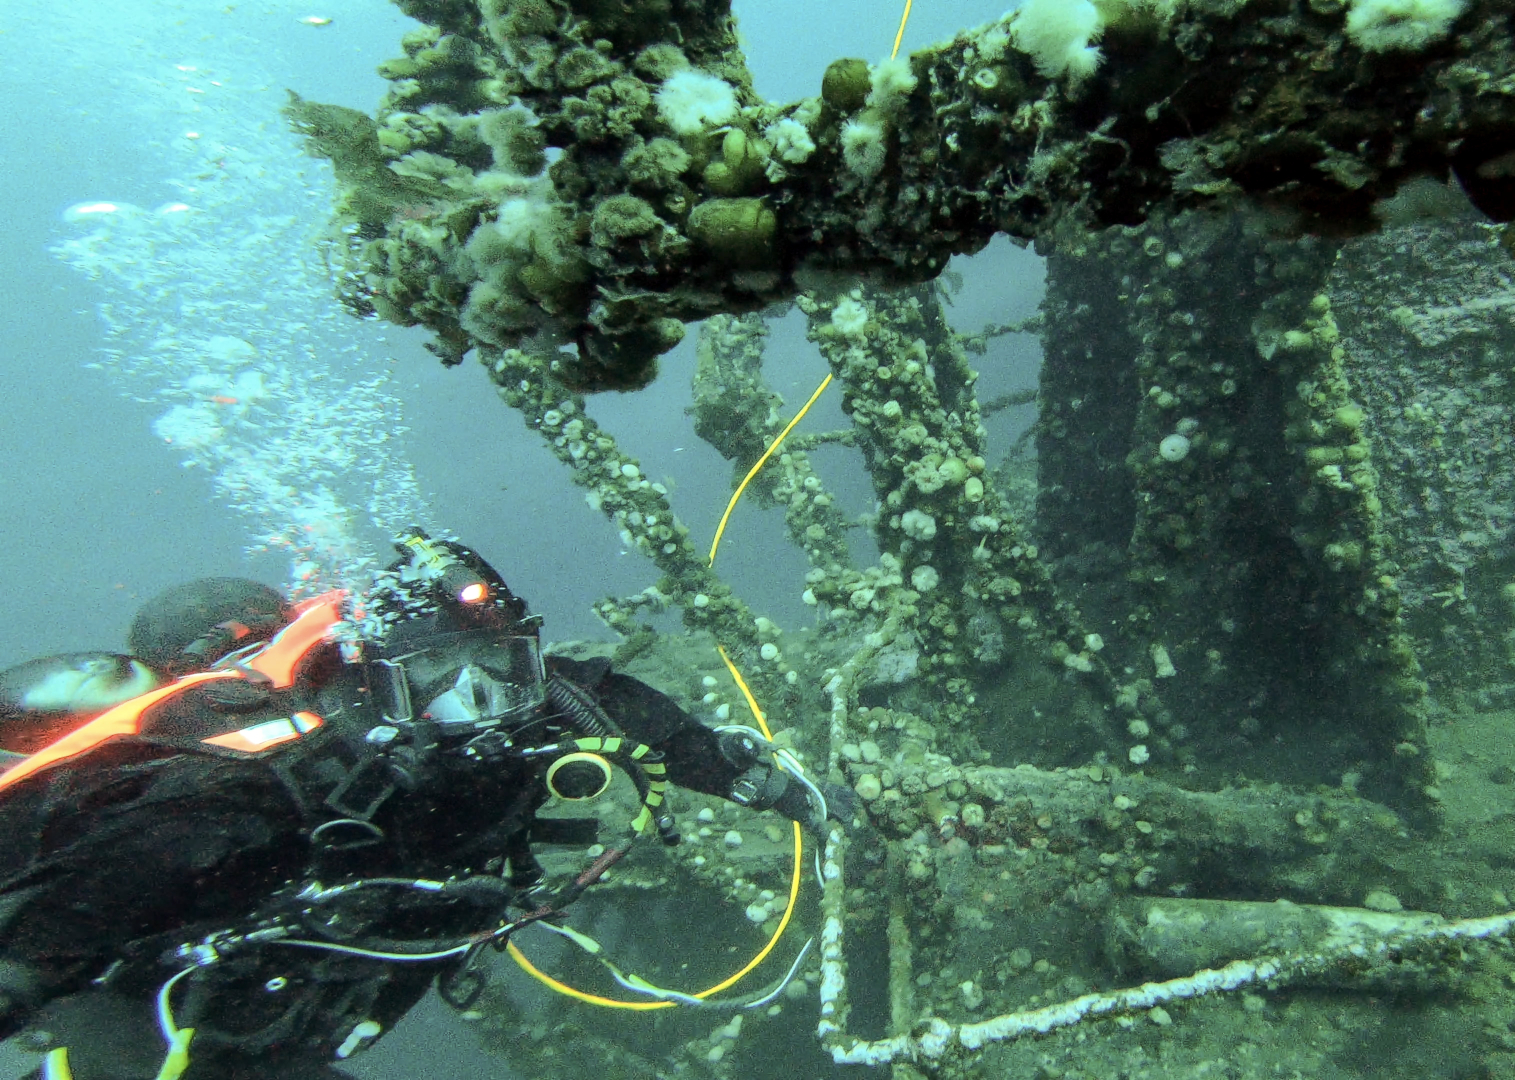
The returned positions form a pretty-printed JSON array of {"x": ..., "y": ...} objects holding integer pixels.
[
  {"x": 762, "y": 722},
  {"x": 737, "y": 494}
]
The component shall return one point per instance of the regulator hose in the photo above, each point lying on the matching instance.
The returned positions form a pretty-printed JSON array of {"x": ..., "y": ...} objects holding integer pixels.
[
  {"x": 584, "y": 714},
  {"x": 580, "y": 706}
]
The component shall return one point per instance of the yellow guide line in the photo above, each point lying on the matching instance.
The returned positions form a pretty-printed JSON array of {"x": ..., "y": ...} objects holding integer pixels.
[
  {"x": 757, "y": 713},
  {"x": 721, "y": 528},
  {"x": 900, "y": 33},
  {"x": 643, "y": 1006}
]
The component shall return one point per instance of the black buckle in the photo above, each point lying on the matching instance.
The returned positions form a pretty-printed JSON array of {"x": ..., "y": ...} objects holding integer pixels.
[
  {"x": 759, "y": 787},
  {"x": 337, "y": 797},
  {"x": 389, "y": 689}
]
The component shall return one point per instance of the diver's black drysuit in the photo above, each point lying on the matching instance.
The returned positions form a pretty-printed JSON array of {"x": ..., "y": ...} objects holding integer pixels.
[{"x": 147, "y": 844}]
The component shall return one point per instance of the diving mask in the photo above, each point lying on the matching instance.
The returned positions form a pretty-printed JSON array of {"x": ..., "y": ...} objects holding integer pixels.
[{"x": 475, "y": 678}]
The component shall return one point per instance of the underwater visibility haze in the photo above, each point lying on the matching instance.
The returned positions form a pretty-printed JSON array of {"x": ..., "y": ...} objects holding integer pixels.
[{"x": 1144, "y": 566}]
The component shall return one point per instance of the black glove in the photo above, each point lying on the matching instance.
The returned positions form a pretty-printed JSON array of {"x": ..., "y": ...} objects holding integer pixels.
[
  {"x": 784, "y": 794},
  {"x": 764, "y": 786},
  {"x": 841, "y": 804}
]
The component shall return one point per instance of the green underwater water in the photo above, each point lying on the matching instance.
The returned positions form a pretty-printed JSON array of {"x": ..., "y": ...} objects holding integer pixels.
[{"x": 1212, "y": 669}]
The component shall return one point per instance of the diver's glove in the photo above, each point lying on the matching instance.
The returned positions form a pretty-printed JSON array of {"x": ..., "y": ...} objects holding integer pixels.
[{"x": 764, "y": 786}]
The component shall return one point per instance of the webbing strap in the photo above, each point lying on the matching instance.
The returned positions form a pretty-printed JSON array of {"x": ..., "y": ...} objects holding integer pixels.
[{"x": 281, "y": 656}]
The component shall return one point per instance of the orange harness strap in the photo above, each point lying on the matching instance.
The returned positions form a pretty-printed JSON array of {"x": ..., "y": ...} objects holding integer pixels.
[
  {"x": 123, "y": 719},
  {"x": 277, "y": 661},
  {"x": 281, "y": 656},
  {"x": 270, "y": 733}
]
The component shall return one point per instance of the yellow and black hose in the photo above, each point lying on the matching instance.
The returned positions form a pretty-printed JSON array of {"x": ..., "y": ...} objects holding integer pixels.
[{"x": 640, "y": 762}]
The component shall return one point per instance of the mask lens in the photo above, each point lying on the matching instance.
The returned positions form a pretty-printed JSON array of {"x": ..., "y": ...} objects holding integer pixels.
[{"x": 477, "y": 677}]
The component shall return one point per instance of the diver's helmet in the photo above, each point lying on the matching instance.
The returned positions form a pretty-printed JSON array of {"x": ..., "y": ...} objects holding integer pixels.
[
  {"x": 448, "y": 585},
  {"x": 189, "y": 627},
  {"x": 44, "y": 699},
  {"x": 469, "y": 654}
]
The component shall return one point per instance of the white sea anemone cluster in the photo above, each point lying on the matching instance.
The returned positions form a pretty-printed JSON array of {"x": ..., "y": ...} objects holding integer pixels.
[
  {"x": 1059, "y": 35},
  {"x": 1401, "y": 25},
  {"x": 791, "y": 141},
  {"x": 993, "y": 41},
  {"x": 918, "y": 525},
  {"x": 521, "y": 221},
  {"x": 891, "y": 82},
  {"x": 1174, "y": 447},
  {"x": 863, "y": 146},
  {"x": 691, "y": 102},
  {"x": 924, "y": 578},
  {"x": 850, "y": 318}
]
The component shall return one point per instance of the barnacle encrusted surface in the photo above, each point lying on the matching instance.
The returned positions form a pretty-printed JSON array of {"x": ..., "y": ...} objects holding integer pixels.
[
  {"x": 1193, "y": 648},
  {"x": 972, "y": 137}
]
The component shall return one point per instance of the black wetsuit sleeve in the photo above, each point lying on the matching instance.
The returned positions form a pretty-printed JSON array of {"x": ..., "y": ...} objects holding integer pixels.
[{"x": 690, "y": 749}]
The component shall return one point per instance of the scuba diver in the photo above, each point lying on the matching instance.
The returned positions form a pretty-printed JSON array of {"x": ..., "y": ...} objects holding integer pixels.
[{"x": 248, "y": 848}]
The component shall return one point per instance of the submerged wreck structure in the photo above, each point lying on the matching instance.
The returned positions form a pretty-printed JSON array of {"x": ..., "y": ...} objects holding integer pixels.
[{"x": 1205, "y": 713}]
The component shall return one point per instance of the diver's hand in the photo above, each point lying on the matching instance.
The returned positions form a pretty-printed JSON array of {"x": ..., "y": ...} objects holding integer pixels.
[
  {"x": 762, "y": 785},
  {"x": 793, "y": 798},
  {"x": 866, "y": 847},
  {"x": 842, "y": 806},
  {"x": 799, "y": 803}
]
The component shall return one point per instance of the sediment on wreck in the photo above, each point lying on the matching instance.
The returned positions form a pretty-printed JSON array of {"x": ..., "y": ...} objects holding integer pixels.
[{"x": 1425, "y": 310}]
